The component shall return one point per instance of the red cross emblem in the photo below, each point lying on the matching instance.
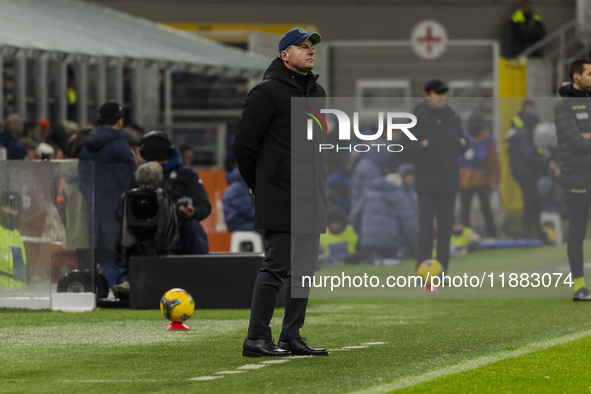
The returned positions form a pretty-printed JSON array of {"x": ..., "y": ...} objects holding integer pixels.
[{"x": 429, "y": 38}]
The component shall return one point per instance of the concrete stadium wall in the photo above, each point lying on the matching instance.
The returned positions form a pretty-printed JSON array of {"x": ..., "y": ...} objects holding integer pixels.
[{"x": 348, "y": 19}]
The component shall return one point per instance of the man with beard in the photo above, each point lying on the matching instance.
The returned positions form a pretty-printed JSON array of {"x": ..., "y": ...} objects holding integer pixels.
[{"x": 573, "y": 130}]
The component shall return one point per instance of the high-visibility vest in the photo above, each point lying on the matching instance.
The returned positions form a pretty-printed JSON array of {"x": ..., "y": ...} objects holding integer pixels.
[
  {"x": 13, "y": 261},
  {"x": 519, "y": 17}
]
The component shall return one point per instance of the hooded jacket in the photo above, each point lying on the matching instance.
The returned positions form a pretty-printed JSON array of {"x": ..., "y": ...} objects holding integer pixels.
[
  {"x": 386, "y": 217},
  {"x": 265, "y": 153},
  {"x": 105, "y": 179},
  {"x": 572, "y": 114}
]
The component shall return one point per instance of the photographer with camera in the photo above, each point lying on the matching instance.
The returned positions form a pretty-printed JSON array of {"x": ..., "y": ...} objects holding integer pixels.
[{"x": 184, "y": 187}]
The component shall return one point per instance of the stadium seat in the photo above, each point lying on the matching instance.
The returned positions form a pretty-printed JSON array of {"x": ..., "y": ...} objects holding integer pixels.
[
  {"x": 556, "y": 220},
  {"x": 238, "y": 237}
]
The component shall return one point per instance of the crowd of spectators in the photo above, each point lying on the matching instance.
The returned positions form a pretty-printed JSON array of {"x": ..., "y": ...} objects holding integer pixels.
[{"x": 73, "y": 201}]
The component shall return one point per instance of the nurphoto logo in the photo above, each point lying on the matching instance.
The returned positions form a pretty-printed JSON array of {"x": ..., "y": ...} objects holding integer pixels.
[{"x": 344, "y": 129}]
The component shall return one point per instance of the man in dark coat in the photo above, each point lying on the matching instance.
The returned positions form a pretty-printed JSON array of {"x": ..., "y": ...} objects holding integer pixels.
[
  {"x": 264, "y": 153},
  {"x": 436, "y": 153},
  {"x": 103, "y": 182},
  {"x": 572, "y": 114}
]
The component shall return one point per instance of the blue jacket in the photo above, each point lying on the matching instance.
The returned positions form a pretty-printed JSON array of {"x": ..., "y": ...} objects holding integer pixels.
[
  {"x": 113, "y": 165},
  {"x": 366, "y": 170},
  {"x": 386, "y": 217},
  {"x": 238, "y": 204}
]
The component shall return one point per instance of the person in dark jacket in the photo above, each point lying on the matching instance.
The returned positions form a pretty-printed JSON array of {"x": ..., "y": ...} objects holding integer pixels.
[
  {"x": 238, "y": 204},
  {"x": 264, "y": 153},
  {"x": 103, "y": 182},
  {"x": 528, "y": 107},
  {"x": 385, "y": 219},
  {"x": 187, "y": 191},
  {"x": 526, "y": 167},
  {"x": 572, "y": 115},
  {"x": 436, "y": 154},
  {"x": 527, "y": 28},
  {"x": 181, "y": 182}
]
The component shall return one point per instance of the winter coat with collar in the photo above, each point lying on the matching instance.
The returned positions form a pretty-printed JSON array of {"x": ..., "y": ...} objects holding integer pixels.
[
  {"x": 572, "y": 114},
  {"x": 265, "y": 152},
  {"x": 437, "y": 166}
]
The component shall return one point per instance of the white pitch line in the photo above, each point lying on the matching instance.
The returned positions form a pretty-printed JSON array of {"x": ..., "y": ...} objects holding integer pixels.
[
  {"x": 468, "y": 365},
  {"x": 110, "y": 380},
  {"x": 374, "y": 343},
  {"x": 275, "y": 361},
  {"x": 252, "y": 366},
  {"x": 354, "y": 347},
  {"x": 229, "y": 372},
  {"x": 206, "y": 378}
]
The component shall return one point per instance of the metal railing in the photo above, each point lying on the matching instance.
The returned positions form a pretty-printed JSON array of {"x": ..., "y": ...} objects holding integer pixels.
[{"x": 559, "y": 47}]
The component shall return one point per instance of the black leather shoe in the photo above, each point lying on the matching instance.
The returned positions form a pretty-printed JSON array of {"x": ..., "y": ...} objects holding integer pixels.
[
  {"x": 300, "y": 348},
  {"x": 582, "y": 295},
  {"x": 262, "y": 348}
]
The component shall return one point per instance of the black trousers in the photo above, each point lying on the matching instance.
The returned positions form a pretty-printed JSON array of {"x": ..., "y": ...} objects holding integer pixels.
[
  {"x": 530, "y": 217},
  {"x": 578, "y": 210},
  {"x": 431, "y": 206},
  {"x": 483, "y": 194},
  {"x": 288, "y": 256}
]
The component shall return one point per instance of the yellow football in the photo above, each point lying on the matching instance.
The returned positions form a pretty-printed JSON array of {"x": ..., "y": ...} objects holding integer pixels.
[
  {"x": 428, "y": 269},
  {"x": 177, "y": 305}
]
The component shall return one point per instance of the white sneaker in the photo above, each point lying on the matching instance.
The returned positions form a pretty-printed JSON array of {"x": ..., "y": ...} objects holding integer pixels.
[{"x": 121, "y": 290}]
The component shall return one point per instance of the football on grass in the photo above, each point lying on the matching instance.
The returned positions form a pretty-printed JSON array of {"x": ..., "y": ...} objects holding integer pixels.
[
  {"x": 177, "y": 305},
  {"x": 428, "y": 269}
]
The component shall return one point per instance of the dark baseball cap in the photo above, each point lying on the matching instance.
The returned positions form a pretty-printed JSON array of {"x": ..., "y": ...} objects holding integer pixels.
[
  {"x": 297, "y": 36},
  {"x": 437, "y": 86}
]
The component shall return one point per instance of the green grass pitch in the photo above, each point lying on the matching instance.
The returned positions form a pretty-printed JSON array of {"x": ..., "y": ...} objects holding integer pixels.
[{"x": 426, "y": 344}]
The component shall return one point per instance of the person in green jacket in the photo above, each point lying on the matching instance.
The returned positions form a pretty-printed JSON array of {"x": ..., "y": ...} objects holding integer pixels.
[{"x": 13, "y": 274}]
